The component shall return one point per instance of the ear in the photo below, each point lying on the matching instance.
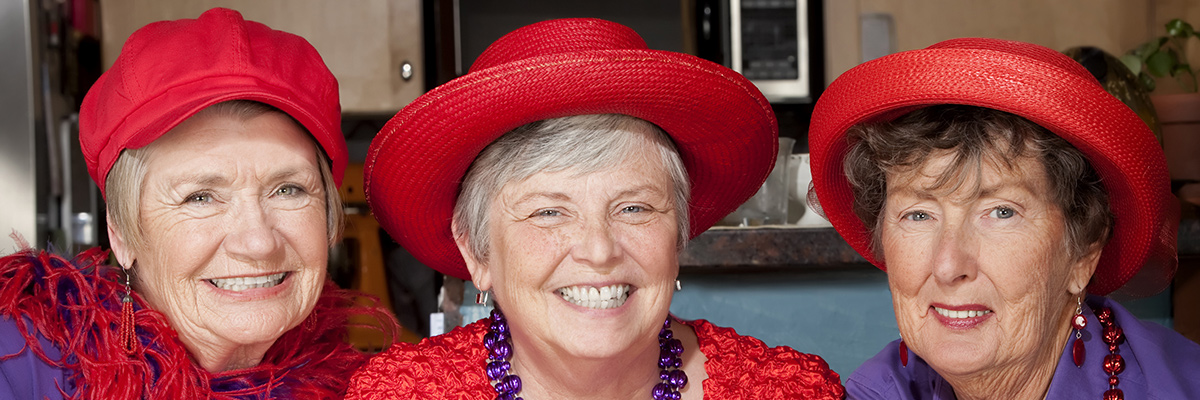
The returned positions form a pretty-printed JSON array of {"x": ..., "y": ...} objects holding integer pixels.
[
  {"x": 120, "y": 247},
  {"x": 480, "y": 273},
  {"x": 1083, "y": 269}
]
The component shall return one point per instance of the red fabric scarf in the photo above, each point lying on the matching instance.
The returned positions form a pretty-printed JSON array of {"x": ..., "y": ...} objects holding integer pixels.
[{"x": 76, "y": 305}]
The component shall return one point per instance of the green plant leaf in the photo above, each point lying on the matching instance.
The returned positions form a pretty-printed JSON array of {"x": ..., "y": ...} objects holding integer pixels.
[
  {"x": 1133, "y": 62},
  {"x": 1160, "y": 64},
  {"x": 1147, "y": 81},
  {"x": 1149, "y": 48},
  {"x": 1178, "y": 28},
  {"x": 1180, "y": 70}
]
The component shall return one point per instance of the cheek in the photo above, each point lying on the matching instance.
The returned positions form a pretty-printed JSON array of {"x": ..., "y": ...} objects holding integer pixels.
[
  {"x": 908, "y": 306},
  {"x": 307, "y": 230},
  {"x": 523, "y": 257},
  {"x": 907, "y": 261},
  {"x": 1025, "y": 268},
  {"x": 175, "y": 250},
  {"x": 653, "y": 246}
]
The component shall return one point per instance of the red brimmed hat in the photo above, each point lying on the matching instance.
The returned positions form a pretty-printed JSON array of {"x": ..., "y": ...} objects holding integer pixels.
[
  {"x": 723, "y": 127},
  {"x": 170, "y": 70},
  {"x": 1033, "y": 82}
]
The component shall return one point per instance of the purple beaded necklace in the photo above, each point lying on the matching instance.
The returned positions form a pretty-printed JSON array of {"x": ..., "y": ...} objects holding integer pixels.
[{"x": 508, "y": 384}]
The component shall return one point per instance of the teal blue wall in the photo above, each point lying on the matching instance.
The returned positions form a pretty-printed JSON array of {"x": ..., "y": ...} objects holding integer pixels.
[{"x": 845, "y": 316}]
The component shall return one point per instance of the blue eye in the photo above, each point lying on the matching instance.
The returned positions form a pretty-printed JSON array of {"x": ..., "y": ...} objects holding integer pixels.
[
  {"x": 198, "y": 197},
  {"x": 917, "y": 216},
  {"x": 289, "y": 190},
  {"x": 1003, "y": 212},
  {"x": 546, "y": 213},
  {"x": 633, "y": 209}
]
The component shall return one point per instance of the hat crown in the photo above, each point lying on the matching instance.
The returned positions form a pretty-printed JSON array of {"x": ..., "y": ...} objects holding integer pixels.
[
  {"x": 167, "y": 66},
  {"x": 164, "y": 54},
  {"x": 568, "y": 35},
  {"x": 1022, "y": 49}
]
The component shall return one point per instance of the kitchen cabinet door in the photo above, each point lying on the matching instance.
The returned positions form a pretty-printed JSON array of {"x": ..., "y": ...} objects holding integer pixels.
[
  {"x": 1112, "y": 25},
  {"x": 373, "y": 47}
]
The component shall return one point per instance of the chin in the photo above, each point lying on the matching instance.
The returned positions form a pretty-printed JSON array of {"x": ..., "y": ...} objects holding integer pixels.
[
  {"x": 957, "y": 358},
  {"x": 601, "y": 344},
  {"x": 261, "y": 321},
  {"x": 604, "y": 337},
  {"x": 255, "y": 329}
]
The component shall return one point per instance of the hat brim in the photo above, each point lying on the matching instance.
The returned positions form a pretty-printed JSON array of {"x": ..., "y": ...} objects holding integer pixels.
[
  {"x": 1118, "y": 144},
  {"x": 717, "y": 119}
]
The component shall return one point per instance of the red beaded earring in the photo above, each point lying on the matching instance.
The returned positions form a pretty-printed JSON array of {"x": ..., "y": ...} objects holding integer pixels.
[
  {"x": 127, "y": 335},
  {"x": 1079, "y": 321},
  {"x": 903, "y": 353}
]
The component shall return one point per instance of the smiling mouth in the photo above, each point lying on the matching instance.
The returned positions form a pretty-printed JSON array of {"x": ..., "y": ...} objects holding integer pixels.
[
  {"x": 246, "y": 283},
  {"x": 961, "y": 314},
  {"x": 605, "y": 297}
]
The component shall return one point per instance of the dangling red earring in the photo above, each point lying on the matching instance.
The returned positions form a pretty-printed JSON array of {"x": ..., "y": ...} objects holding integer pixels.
[
  {"x": 1079, "y": 321},
  {"x": 903, "y": 353},
  {"x": 127, "y": 336}
]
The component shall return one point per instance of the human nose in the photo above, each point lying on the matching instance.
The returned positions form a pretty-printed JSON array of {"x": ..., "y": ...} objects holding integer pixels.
[
  {"x": 597, "y": 247},
  {"x": 252, "y": 236},
  {"x": 954, "y": 259}
]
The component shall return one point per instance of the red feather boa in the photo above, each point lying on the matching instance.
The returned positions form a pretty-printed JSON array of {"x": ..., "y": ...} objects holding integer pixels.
[{"x": 76, "y": 305}]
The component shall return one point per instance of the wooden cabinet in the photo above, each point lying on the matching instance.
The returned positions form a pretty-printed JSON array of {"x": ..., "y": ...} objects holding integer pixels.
[
  {"x": 1112, "y": 25},
  {"x": 366, "y": 43}
]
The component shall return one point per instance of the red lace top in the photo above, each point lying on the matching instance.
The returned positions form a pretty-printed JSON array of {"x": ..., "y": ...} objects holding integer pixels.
[{"x": 451, "y": 366}]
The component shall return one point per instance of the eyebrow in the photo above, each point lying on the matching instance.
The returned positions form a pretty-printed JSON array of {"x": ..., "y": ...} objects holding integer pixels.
[
  {"x": 286, "y": 173},
  {"x": 989, "y": 191},
  {"x": 210, "y": 179},
  {"x": 199, "y": 179},
  {"x": 563, "y": 196}
]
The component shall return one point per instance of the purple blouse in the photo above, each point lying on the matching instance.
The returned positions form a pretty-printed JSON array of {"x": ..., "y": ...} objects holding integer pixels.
[
  {"x": 1159, "y": 364},
  {"x": 23, "y": 375}
]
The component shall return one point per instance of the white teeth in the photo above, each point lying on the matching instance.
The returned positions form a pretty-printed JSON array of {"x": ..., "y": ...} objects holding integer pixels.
[
  {"x": 243, "y": 283},
  {"x": 611, "y": 296},
  {"x": 961, "y": 314}
]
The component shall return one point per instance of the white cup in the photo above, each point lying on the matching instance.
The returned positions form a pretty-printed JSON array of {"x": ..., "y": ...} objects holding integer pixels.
[{"x": 800, "y": 178}]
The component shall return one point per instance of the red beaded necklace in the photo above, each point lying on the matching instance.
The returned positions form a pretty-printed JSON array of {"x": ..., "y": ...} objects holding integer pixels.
[{"x": 1113, "y": 336}]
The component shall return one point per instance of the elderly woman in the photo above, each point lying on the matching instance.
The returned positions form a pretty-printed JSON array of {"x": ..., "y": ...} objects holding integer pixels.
[
  {"x": 216, "y": 143},
  {"x": 1004, "y": 192},
  {"x": 586, "y": 161}
]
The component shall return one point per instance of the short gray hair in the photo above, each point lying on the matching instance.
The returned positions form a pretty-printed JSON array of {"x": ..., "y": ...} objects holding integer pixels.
[
  {"x": 585, "y": 143},
  {"x": 123, "y": 186}
]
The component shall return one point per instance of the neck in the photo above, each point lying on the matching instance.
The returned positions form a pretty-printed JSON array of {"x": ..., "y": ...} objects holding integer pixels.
[
  {"x": 551, "y": 374},
  {"x": 1019, "y": 380},
  {"x": 221, "y": 357}
]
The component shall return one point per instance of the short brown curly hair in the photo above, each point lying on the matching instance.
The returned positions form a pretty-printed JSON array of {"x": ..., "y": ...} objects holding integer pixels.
[{"x": 974, "y": 135}]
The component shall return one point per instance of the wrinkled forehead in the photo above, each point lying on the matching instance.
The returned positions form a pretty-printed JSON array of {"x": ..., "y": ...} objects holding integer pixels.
[{"x": 960, "y": 176}]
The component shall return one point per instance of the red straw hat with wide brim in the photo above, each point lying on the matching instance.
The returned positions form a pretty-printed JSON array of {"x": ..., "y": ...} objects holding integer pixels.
[
  {"x": 722, "y": 125},
  {"x": 1034, "y": 82}
]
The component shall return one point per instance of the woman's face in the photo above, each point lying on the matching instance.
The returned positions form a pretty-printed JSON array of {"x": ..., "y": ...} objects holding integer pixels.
[
  {"x": 584, "y": 265},
  {"x": 234, "y": 226},
  {"x": 982, "y": 281}
]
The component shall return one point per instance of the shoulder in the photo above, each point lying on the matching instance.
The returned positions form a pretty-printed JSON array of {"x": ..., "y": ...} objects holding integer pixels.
[
  {"x": 885, "y": 377},
  {"x": 744, "y": 367},
  {"x": 451, "y": 364},
  {"x": 1168, "y": 361},
  {"x": 35, "y": 287},
  {"x": 23, "y": 373}
]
